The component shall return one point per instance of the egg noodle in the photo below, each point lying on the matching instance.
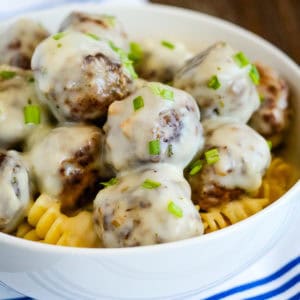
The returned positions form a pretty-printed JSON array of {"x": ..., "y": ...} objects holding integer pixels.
[{"x": 45, "y": 223}]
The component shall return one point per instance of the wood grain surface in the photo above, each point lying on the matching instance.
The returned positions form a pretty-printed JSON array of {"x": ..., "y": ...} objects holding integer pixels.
[{"x": 278, "y": 21}]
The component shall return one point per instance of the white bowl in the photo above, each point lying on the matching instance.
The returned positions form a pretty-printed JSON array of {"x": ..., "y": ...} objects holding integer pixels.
[{"x": 178, "y": 269}]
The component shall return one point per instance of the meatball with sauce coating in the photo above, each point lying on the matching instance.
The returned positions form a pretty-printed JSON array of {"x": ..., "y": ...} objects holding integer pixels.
[
  {"x": 220, "y": 84},
  {"x": 155, "y": 124},
  {"x": 15, "y": 190},
  {"x": 161, "y": 60},
  {"x": 18, "y": 41},
  {"x": 146, "y": 206},
  {"x": 272, "y": 117},
  {"x": 79, "y": 76},
  {"x": 66, "y": 163},
  {"x": 242, "y": 158},
  {"x": 17, "y": 92},
  {"x": 103, "y": 26}
]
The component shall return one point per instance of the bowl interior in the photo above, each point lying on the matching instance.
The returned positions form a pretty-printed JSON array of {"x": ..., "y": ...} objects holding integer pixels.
[{"x": 197, "y": 31}]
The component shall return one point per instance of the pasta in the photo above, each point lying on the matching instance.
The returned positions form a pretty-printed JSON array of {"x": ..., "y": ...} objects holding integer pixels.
[
  {"x": 278, "y": 179},
  {"x": 45, "y": 223}
]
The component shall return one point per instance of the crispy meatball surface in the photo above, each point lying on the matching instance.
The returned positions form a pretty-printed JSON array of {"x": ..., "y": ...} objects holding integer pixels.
[
  {"x": 79, "y": 76},
  {"x": 130, "y": 213},
  {"x": 18, "y": 41},
  {"x": 155, "y": 124},
  {"x": 219, "y": 84}
]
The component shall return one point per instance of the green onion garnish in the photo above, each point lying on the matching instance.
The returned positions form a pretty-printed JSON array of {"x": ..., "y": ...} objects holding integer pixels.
[
  {"x": 168, "y": 45},
  {"x": 212, "y": 156},
  {"x": 138, "y": 103},
  {"x": 59, "y": 45},
  {"x": 30, "y": 79},
  {"x": 58, "y": 35},
  {"x": 154, "y": 147},
  {"x": 214, "y": 83},
  {"x": 32, "y": 114},
  {"x": 170, "y": 150},
  {"x": 175, "y": 209},
  {"x": 126, "y": 62},
  {"x": 5, "y": 74},
  {"x": 270, "y": 144},
  {"x": 93, "y": 36},
  {"x": 150, "y": 184},
  {"x": 241, "y": 59},
  {"x": 111, "y": 182},
  {"x": 196, "y": 167},
  {"x": 158, "y": 90},
  {"x": 261, "y": 98},
  {"x": 136, "y": 53},
  {"x": 254, "y": 75},
  {"x": 111, "y": 20}
]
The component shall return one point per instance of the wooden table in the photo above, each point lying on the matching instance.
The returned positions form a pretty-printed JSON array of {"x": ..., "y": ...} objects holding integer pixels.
[{"x": 278, "y": 21}]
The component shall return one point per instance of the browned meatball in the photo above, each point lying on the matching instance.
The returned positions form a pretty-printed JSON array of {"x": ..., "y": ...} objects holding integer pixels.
[
  {"x": 79, "y": 76},
  {"x": 15, "y": 190},
  {"x": 18, "y": 42},
  {"x": 67, "y": 163},
  {"x": 272, "y": 117},
  {"x": 104, "y": 26}
]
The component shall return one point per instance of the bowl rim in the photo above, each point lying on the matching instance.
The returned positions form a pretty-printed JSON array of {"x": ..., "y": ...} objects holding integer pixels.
[{"x": 174, "y": 11}]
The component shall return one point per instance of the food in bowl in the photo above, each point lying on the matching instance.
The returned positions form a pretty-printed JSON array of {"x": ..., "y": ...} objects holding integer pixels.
[{"x": 154, "y": 134}]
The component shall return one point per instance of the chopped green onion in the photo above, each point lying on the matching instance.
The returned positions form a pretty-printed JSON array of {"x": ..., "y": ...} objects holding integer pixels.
[
  {"x": 93, "y": 36},
  {"x": 32, "y": 114},
  {"x": 150, "y": 184},
  {"x": 170, "y": 150},
  {"x": 126, "y": 62},
  {"x": 254, "y": 75},
  {"x": 214, "y": 83},
  {"x": 111, "y": 20},
  {"x": 5, "y": 74},
  {"x": 138, "y": 103},
  {"x": 168, "y": 45},
  {"x": 196, "y": 167},
  {"x": 59, "y": 45},
  {"x": 158, "y": 90},
  {"x": 111, "y": 182},
  {"x": 212, "y": 156},
  {"x": 241, "y": 59},
  {"x": 58, "y": 35},
  {"x": 270, "y": 144},
  {"x": 136, "y": 52},
  {"x": 154, "y": 147},
  {"x": 175, "y": 209},
  {"x": 30, "y": 79},
  {"x": 261, "y": 98}
]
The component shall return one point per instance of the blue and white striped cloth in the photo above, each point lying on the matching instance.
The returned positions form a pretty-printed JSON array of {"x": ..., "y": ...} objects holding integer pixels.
[{"x": 276, "y": 275}]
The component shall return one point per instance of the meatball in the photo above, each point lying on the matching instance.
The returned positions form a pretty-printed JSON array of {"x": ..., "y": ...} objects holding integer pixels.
[
  {"x": 161, "y": 60},
  {"x": 271, "y": 119},
  {"x": 18, "y": 41},
  {"x": 15, "y": 190},
  {"x": 79, "y": 76},
  {"x": 66, "y": 163},
  {"x": 220, "y": 85},
  {"x": 243, "y": 157},
  {"x": 16, "y": 92},
  {"x": 155, "y": 124},
  {"x": 104, "y": 26},
  {"x": 146, "y": 206}
]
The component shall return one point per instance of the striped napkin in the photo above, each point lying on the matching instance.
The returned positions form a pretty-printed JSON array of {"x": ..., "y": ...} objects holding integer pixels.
[{"x": 276, "y": 275}]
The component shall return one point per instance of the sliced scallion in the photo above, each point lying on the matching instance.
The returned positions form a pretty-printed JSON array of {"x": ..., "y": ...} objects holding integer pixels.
[
  {"x": 58, "y": 36},
  {"x": 150, "y": 184},
  {"x": 214, "y": 83},
  {"x": 111, "y": 182},
  {"x": 93, "y": 36},
  {"x": 241, "y": 60},
  {"x": 136, "y": 52},
  {"x": 167, "y": 44},
  {"x": 154, "y": 147},
  {"x": 196, "y": 167},
  {"x": 5, "y": 74},
  {"x": 32, "y": 114},
  {"x": 175, "y": 209},
  {"x": 254, "y": 75},
  {"x": 212, "y": 156},
  {"x": 138, "y": 103},
  {"x": 158, "y": 90}
]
